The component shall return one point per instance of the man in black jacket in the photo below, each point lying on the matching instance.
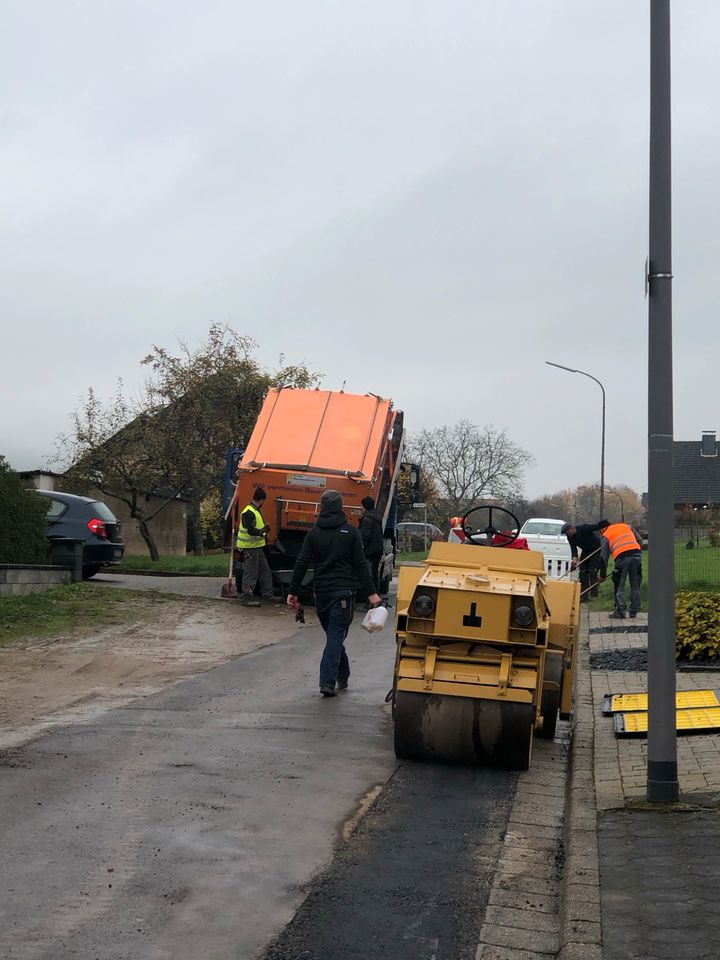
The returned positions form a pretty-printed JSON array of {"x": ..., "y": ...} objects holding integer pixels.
[
  {"x": 371, "y": 531},
  {"x": 585, "y": 537},
  {"x": 334, "y": 549}
]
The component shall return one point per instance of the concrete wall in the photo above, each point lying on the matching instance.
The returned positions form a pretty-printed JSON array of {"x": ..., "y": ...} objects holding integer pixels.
[
  {"x": 168, "y": 527},
  {"x": 17, "y": 580}
]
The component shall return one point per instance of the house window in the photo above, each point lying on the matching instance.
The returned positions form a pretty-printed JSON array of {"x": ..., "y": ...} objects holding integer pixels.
[{"x": 708, "y": 444}]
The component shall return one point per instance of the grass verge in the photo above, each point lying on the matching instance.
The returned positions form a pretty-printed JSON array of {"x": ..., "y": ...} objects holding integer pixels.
[
  {"x": 694, "y": 570},
  {"x": 412, "y": 556},
  {"x": 205, "y": 565},
  {"x": 63, "y": 608}
]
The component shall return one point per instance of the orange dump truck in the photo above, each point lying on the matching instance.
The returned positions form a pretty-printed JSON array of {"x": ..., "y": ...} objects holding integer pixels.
[{"x": 308, "y": 441}]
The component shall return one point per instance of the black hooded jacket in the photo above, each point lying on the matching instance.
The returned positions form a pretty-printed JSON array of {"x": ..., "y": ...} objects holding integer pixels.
[
  {"x": 372, "y": 534},
  {"x": 334, "y": 549}
]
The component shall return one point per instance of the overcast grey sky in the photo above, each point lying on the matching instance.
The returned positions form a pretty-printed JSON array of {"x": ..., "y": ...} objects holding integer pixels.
[{"x": 426, "y": 199}]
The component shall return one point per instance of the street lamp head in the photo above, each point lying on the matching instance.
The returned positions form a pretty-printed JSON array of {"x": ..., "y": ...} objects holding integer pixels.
[
  {"x": 561, "y": 367},
  {"x": 584, "y": 373}
]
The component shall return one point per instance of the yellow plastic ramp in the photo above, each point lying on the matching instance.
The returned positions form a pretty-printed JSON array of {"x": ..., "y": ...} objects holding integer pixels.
[
  {"x": 704, "y": 720},
  {"x": 684, "y": 700}
]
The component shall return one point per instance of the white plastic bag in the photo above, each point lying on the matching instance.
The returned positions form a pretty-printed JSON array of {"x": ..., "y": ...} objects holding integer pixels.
[{"x": 375, "y": 619}]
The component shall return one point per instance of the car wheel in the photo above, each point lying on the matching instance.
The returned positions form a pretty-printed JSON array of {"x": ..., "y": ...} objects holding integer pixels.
[{"x": 90, "y": 571}]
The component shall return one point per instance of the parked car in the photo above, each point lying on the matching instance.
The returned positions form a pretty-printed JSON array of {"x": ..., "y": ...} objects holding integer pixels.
[
  {"x": 543, "y": 534},
  {"x": 72, "y": 518},
  {"x": 412, "y": 535}
]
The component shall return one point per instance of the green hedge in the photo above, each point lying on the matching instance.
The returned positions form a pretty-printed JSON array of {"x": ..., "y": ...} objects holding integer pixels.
[
  {"x": 697, "y": 625},
  {"x": 23, "y": 518}
]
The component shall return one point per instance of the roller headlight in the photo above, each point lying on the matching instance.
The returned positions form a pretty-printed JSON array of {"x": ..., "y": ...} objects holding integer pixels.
[
  {"x": 523, "y": 616},
  {"x": 423, "y": 605}
]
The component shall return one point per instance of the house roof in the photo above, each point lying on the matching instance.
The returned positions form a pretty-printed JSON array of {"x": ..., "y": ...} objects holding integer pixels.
[{"x": 696, "y": 478}]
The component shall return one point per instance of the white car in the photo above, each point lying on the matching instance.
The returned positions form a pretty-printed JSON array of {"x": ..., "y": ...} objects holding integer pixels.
[{"x": 543, "y": 534}]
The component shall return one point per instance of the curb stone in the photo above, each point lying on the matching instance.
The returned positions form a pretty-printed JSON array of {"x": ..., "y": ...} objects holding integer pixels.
[
  {"x": 580, "y": 905},
  {"x": 522, "y": 919}
]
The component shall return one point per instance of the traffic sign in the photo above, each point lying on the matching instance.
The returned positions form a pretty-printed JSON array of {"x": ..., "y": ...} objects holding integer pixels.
[{"x": 418, "y": 506}]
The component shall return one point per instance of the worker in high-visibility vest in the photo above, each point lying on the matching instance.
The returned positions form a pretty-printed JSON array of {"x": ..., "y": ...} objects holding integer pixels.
[
  {"x": 620, "y": 542},
  {"x": 251, "y": 539}
]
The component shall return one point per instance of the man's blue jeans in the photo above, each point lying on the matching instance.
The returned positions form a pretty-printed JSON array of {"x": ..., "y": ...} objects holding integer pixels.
[
  {"x": 335, "y": 612},
  {"x": 628, "y": 567}
]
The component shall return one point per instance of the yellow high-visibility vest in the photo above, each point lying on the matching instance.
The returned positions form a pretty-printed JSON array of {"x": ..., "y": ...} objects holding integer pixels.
[{"x": 244, "y": 540}]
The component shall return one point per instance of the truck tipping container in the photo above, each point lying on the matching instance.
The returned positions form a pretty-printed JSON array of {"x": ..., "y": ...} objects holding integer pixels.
[{"x": 308, "y": 441}]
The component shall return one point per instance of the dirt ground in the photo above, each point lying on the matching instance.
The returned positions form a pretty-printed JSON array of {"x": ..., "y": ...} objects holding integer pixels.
[{"x": 70, "y": 678}]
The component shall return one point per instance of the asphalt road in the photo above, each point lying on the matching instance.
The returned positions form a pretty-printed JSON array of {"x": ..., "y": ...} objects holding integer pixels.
[
  {"x": 188, "y": 823},
  {"x": 193, "y": 823},
  {"x": 414, "y": 877}
]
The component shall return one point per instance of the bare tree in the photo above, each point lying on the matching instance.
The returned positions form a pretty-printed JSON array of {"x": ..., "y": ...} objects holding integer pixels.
[
  {"x": 116, "y": 450},
  {"x": 470, "y": 463}
]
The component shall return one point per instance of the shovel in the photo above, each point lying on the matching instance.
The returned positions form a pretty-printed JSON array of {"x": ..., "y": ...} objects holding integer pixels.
[{"x": 229, "y": 590}]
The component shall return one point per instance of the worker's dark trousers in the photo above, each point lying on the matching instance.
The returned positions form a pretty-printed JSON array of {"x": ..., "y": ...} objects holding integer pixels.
[
  {"x": 589, "y": 577},
  {"x": 335, "y": 612},
  {"x": 373, "y": 565},
  {"x": 628, "y": 566},
  {"x": 256, "y": 568}
]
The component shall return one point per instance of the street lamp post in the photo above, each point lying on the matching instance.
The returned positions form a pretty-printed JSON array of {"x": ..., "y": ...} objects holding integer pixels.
[
  {"x": 602, "y": 446},
  {"x": 662, "y": 774}
]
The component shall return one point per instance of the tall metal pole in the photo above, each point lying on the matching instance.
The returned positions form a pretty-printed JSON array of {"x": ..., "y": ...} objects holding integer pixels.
[
  {"x": 602, "y": 443},
  {"x": 662, "y": 775}
]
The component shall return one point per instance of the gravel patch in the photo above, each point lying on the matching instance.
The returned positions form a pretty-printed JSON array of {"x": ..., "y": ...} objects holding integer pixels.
[{"x": 635, "y": 660}]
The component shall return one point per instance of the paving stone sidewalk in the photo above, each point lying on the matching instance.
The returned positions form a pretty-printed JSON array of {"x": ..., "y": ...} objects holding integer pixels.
[{"x": 657, "y": 869}]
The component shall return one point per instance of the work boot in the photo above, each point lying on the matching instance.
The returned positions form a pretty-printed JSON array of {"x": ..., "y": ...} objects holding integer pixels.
[
  {"x": 632, "y": 615},
  {"x": 617, "y": 615},
  {"x": 328, "y": 689},
  {"x": 248, "y": 600},
  {"x": 342, "y": 684}
]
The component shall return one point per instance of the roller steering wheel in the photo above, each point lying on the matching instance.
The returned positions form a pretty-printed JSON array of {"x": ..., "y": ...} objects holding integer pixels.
[{"x": 490, "y": 530}]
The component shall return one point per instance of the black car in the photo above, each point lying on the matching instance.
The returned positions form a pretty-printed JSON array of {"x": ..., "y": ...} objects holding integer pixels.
[{"x": 72, "y": 518}]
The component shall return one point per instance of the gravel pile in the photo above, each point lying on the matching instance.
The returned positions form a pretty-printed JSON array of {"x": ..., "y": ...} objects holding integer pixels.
[
  {"x": 619, "y": 660},
  {"x": 636, "y": 660}
]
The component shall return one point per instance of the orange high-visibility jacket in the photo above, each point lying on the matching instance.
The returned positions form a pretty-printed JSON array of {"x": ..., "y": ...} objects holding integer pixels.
[{"x": 620, "y": 538}]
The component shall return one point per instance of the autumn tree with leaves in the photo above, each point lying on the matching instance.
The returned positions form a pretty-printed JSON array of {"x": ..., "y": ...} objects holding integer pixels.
[{"x": 173, "y": 440}]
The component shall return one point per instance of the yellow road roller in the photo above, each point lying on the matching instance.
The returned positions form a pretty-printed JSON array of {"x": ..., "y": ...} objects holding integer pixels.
[{"x": 485, "y": 649}]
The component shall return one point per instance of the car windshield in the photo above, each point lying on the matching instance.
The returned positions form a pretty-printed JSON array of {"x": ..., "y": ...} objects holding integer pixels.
[{"x": 544, "y": 528}]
